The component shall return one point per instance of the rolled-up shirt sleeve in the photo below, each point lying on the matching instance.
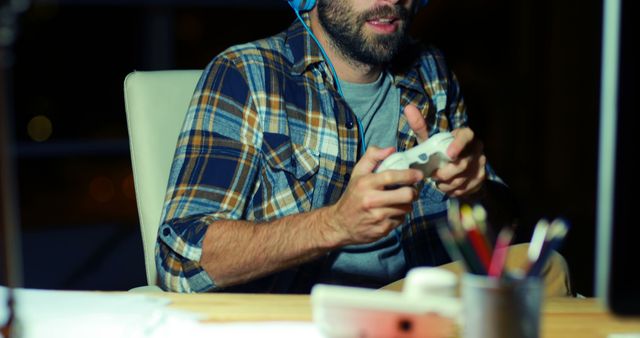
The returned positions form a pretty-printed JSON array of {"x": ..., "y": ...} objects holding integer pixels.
[{"x": 213, "y": 173}]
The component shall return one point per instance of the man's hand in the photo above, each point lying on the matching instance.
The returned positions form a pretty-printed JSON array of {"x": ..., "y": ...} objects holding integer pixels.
[
  {"x": 465, "y": 173},
  {"x": 367, "y": 211}
]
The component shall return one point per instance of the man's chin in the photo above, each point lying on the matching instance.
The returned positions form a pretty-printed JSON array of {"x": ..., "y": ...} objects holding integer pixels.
[
  {"x": 377, "y": 58},
  {"x": 385, "y": 49}
]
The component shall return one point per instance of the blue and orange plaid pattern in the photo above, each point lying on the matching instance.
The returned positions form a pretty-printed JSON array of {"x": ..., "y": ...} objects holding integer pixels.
[{"x": 265, "y": 137}]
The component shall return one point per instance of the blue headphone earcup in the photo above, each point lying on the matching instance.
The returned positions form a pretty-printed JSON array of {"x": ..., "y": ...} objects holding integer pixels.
[{"x": 302, "y": 5}]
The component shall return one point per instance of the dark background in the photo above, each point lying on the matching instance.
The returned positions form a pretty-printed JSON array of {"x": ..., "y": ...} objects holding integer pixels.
[{"x": 529, "y": 71}]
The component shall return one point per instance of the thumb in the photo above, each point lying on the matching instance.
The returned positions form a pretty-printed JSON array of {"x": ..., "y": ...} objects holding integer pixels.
[
  {"x": 416, "y": 122},
  {"x": 370, "y": 160},
  {"x": 463, "y": 137}
]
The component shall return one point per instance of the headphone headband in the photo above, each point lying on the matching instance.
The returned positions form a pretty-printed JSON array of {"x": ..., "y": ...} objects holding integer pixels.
[{"x": 307, "y": 5}]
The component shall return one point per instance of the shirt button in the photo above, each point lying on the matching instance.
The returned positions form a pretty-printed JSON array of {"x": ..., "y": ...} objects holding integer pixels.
[
  {"x": 349, "y": 124},
  {"x": 166, "y": 232},
  {"x": 347, "y": 177}
]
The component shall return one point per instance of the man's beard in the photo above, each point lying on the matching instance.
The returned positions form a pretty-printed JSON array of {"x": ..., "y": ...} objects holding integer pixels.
[{"x": 346, "y": 31}]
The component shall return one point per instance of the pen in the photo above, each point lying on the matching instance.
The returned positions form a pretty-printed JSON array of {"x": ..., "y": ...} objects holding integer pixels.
[
  {"x": 537, "y": 241},
  {"x": 557, "y": 232}
]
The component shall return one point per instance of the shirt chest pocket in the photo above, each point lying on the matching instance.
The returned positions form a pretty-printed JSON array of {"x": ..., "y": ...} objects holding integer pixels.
[
  {"x": 283, "y": 155},
  {"x": 288, "y": 176}
]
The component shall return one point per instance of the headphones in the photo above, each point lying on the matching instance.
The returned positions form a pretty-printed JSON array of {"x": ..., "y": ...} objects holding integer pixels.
[{"x": 307, "y": 5}]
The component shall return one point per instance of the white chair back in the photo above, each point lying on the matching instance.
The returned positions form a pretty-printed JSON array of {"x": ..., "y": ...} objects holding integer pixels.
[{"x": 156, "y": 103}]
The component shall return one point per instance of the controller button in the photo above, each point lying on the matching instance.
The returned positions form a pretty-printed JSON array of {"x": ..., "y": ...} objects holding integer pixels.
[{"x": 423, "y": 157}]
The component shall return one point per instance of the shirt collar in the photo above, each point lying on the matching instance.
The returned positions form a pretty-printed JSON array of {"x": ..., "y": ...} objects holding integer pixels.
[{"x": 304, "y": 49}]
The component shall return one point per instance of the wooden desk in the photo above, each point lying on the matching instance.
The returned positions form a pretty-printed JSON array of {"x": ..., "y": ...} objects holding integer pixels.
[{"x": 563, "y": 317}]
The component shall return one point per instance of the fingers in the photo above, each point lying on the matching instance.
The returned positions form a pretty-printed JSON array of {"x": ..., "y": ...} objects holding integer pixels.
[
  {"x": 391, "y": 178},
  {"x": 467, "y": 182},
  {"x": 466, "y": 165},
  {"x": 465, "y": 174},
  {"x": 366, "y": 211},
  {"x": 471, "y": 187},
  {"x": 396, "y": 212},
  {"x": 416, "y": 122},
  {"x": 465, "y": 152},
  {"x": 463, "y": 137},
  {"x": 370, "y": 160},
  {"x": 400, "y": 196},
  {"x": 390, "y": 218}
]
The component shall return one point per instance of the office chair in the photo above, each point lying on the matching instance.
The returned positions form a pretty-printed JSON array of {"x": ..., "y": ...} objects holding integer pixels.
[{"x": 156, "y": 103}]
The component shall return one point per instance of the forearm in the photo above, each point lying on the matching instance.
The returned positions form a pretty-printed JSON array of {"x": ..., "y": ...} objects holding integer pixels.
[{"x": 235, "y": 252}]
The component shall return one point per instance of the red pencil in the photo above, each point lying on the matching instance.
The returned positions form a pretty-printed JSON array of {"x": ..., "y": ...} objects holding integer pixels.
[{"x": 476, "y": 238}]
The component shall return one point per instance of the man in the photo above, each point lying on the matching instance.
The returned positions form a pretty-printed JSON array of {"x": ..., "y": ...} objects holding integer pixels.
[{"x": 271, "y": 188}]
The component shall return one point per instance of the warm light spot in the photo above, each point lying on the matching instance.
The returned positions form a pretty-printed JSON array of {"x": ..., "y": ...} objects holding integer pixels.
[
  {"x": 101, "y": 189},
  {"x": 40, "y": 128},
  {"x": 128, "y": 188}
]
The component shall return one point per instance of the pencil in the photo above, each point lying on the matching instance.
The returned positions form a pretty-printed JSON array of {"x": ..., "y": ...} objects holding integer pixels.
[
  {"x": 475, "y": 238},
  {"x": 480, "y": 215},
  {"x": 500, "y": 252}
]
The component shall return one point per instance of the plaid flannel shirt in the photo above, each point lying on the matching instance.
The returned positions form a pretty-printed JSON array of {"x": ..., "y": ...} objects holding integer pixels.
[{"x": 266, "y": 136}]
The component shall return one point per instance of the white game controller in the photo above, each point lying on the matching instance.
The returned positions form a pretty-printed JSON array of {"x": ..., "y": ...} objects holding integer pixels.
[{"x": 426, "y": 156}]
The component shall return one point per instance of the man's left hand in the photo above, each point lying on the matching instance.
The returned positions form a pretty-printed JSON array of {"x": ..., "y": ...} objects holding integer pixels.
[{"x": 465, "y": 174}]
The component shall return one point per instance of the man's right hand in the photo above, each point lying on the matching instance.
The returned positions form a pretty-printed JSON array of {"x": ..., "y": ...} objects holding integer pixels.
[{"x": 367, "y": 211}]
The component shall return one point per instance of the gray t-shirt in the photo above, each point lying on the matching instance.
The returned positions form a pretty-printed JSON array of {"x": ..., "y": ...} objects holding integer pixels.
[{"x": 377, "y": 106}]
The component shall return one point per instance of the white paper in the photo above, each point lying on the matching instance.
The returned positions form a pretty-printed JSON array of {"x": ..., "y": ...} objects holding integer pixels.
[{"x": 53, "y": 314}]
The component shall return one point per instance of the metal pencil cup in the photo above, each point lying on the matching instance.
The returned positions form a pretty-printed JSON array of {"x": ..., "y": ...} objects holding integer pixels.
[{"x": 501, "y": 307}]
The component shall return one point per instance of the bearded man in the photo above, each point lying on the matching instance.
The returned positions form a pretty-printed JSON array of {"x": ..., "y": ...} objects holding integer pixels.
[{"x": 273, "y": 185}]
